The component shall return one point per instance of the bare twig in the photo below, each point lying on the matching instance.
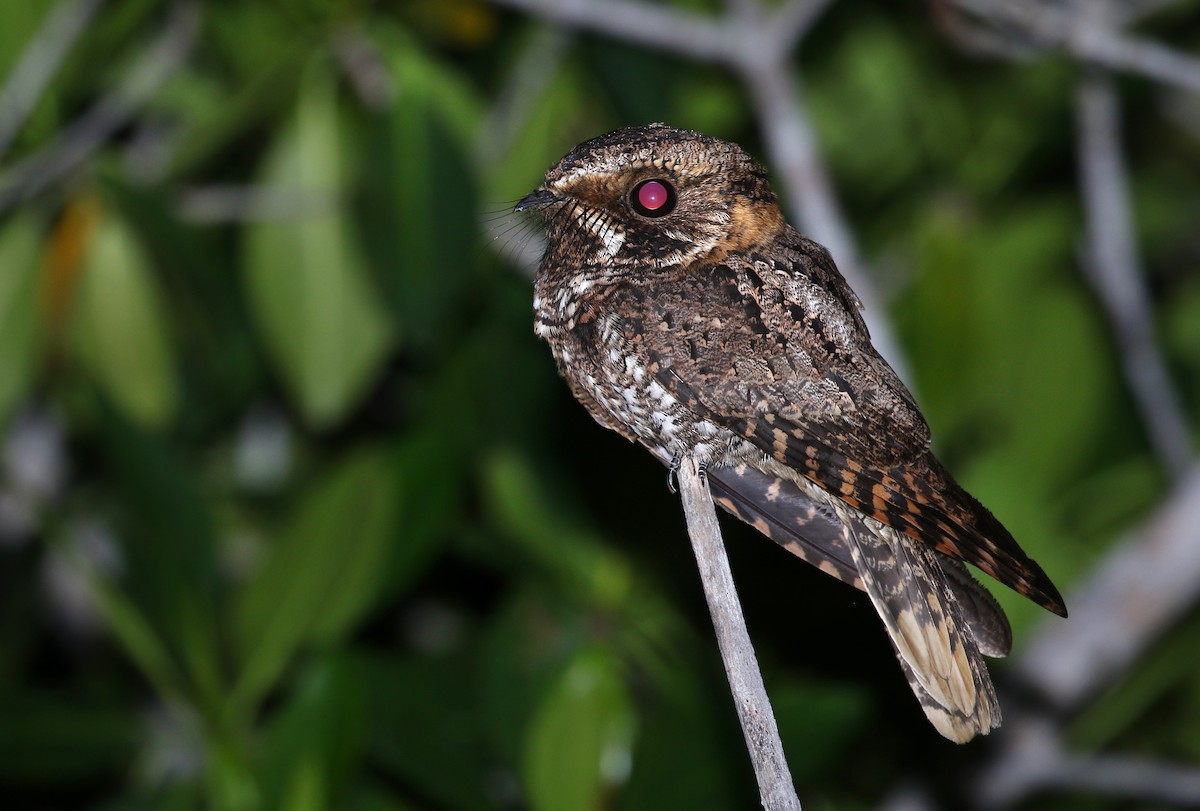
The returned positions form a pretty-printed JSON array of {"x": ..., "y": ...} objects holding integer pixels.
[
  {"x": 86, "y": 134},
  {"x": 796, "y": 17},
  {"x": 1050, "y": 26},
  {"x": 224, "y": 203},
  {"x": 38, "y": 63},
  {"x": 745, "y": 681},
  {"x": 1131, "y": 11},
  {"x": 1139, "y": 56},
  {"x": 748, "y": 10},
  {"x": 364, "y": 66},
  {"x": 1112, "y": 268},
  {"x": 670, "y": 29}
]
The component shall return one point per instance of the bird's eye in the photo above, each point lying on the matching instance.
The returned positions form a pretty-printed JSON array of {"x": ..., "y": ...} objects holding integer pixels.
[{"x": 653, "y": 198}]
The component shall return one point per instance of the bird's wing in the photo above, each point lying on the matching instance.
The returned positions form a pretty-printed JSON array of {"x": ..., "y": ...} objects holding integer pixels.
[
  {"x": 778, "y": 354},
  {"x": 812, "y": 530},
  {"x": 778, "y": 508}
]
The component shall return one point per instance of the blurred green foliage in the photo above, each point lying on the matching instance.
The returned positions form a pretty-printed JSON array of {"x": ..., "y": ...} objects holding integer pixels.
[{"x": 313, "y": 524}]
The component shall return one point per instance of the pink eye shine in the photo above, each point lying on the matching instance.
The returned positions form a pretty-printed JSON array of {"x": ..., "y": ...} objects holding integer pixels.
[
  {"x": 653, "y": 195},
  {"x": 653, "y": 198}
]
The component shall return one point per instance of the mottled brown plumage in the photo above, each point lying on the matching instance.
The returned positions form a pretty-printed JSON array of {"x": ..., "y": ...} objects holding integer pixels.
[{"x": 688, "y": 316}]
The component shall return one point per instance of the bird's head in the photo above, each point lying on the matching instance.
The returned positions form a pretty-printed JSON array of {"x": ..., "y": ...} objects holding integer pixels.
[{"x": 651, "y": 197}]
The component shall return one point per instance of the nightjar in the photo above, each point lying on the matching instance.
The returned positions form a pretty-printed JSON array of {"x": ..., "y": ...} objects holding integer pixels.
[{"x": 688, "y": 316}]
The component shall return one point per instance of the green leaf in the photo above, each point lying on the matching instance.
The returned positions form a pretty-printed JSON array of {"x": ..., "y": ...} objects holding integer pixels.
[
  {"x": 229, "y": 785},
  {"x": 1013, "y": 420},
  {"x": 142, "y": 644},
  {"x": 323, "y": 573},
  {"x": 710, "y": 101},
  {"x": 578, "y": 745},
  {"x": 221, "y": 357},
  {"x": 20, "y": 338},
  {"x": 1131, "y": 701},
  {"x": 305, "y": 277},
  {"x": 418, "y": 203},
  {"x": 307, "y": 790},
  {"x": 1181, "y": 329},
  {"x": 448, "y": 92},
  {"x": 315, "y": 742},
  {"x": 120, "y": 333},
  {"x": 520, "y": 505},
  {"x": 170, "y": 580},
  {"x": 881, "y": 71},
  {"x": 173, "y": 797},
  {"x": 214, "y": 115}
]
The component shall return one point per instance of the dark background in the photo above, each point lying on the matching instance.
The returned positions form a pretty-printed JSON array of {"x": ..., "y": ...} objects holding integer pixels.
[{"x": 295, "y": 514}]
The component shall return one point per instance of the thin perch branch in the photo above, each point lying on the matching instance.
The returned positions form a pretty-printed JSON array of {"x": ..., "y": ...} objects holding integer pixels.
[{"x": 741, "y": 667}]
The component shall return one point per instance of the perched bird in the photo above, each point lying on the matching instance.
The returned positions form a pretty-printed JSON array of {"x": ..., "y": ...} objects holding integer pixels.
[{"x": 688, "y": 316}]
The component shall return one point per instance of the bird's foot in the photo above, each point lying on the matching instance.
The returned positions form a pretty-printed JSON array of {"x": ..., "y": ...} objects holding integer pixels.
[{"x": 673, "y": 472}]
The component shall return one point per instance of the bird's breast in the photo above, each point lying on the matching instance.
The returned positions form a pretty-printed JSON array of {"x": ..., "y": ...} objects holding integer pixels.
[{"x": 611, "y": 372}]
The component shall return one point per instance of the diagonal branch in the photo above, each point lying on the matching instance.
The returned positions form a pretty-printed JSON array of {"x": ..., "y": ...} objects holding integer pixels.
[
  {"x": 1140, "y": 56},
  {"x": 1012, "y": 26},
  {"x": 672, "y": 29},
  {"x": 38, "y": 63},
  {"x": 737, "y": 653}
]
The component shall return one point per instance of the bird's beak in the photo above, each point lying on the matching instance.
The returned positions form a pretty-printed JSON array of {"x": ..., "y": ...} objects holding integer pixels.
[{"x": 539, "y": 197}]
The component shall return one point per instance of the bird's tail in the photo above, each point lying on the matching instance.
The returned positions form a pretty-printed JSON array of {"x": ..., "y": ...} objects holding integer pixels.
[
  {"x": 939, "y": 619},
  {"x": 927, "y": 625}
]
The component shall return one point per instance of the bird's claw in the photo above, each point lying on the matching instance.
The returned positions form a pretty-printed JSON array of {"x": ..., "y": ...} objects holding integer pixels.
[{"x": 673, "y": 472}]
